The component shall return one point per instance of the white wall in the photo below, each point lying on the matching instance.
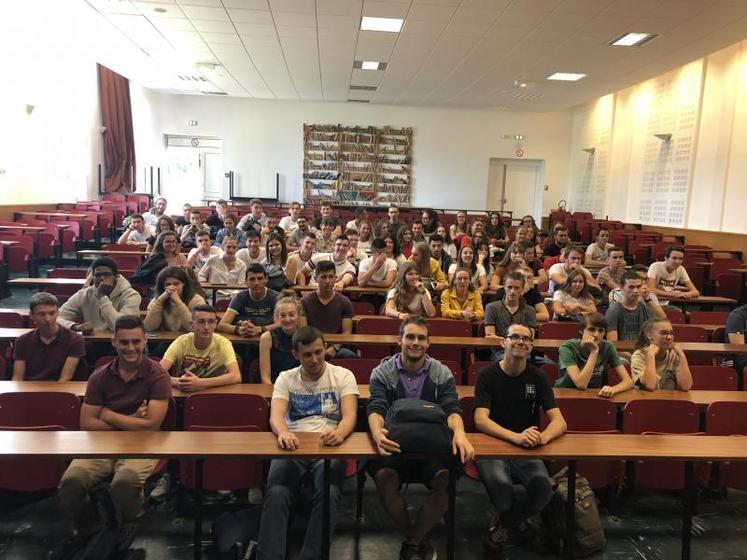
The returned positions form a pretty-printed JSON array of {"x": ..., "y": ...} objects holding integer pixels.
[{"x": 451, "y": 148}]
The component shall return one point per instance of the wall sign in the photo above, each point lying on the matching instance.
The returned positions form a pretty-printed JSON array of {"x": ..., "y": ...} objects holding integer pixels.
[{"x": 519, "y": 152}]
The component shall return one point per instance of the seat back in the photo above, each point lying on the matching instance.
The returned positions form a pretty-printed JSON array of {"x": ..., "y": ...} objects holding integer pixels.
[
  {"x": 690, "y": 333},
  {"x": 729, "y": 285},
  {"x": 713, "y": 378},
  {"x": 474, "y": 368},
  {"x": 376, "y": 325},
  {"x": 558, "y": 330},
  {"x": 449, "y": 327},
  {"x": 225, "y": 412},
  {"x": 361, "y": 367},
  {"x": 674, "y": 316},
  {"x": 588, "y": 415},
  {"x": 10, "y": 320},
  {"x": 708, "y": 317},
  {"x": 363, "y": 308},
  {"x": 468, "y": 413},
  {"x": 725, "y": 418}
]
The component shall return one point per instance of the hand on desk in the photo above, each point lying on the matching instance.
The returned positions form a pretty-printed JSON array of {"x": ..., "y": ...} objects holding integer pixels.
[
  {"x": 384, "y": 445},
  {"x": 287, "y": 440},
  {"x": 607, "y": 392},
  {"x": 331, "y": 438},
  {"x": 531, "y": 437},
  {"x": 188, "y": 382}
]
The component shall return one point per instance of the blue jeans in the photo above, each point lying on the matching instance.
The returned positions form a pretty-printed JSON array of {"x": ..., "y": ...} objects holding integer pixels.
[
  {"x": 283, "y": 484},
  {"x": 498, "y": 476},
  {"x": 345, "y": 353}
]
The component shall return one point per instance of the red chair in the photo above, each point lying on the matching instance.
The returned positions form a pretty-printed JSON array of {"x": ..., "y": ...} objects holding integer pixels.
[
  {"x": 474, "y": 368},
  {"x": 360, "y": 367},
  {"x": 558, "y": 330},
  {"x": 662, "y": 416},
  {"x": 63, "y": 293},
  {"x": 707, "y": 317},
  {"x": 552, "y": 372},
  {"x": 363, "y": 308},
  {"x": 10, "y": 320},
  {"x": 125, "y": 262},
  {"x": 726, "y": 419},
  {"x": 222, "y": 305},
  {"x": 376, "y": 325},
  {"x": 590, "y": 416},
  {"x": 675, "y": 316},
  {"x": 689, "y": 333},
  {"x": 19, "y": 257},
  {"x": 225, "y": 412},
  {"x": 449, "y": 327},
  {"x": 718, "y": 335},
  {"x": 729, "y": 285},
  {"x": 713, "y": 378},
  {"x": 723, "y": 266},
  {"x": 42, "y": 411},
  {"x": 468, "y": 418},
  {"x": 455, "y": 368}
]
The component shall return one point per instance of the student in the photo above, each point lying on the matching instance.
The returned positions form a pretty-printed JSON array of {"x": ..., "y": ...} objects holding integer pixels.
[
  {"x": 171, "y": 309},
  {"x": 355, "y": 254},
  {"x": 584, "y": 361},
  {"x": 659, "y": 362},
  {"x": 496, "y": 230},
  {"x": 560, "y": 240},
  {"x": 165, "y": 223},
  {"x": 412, "y": 374},
  {"x": 436, "y": 245},
  {"x": 531, "y": 295},
  {"x": 201, "y": 359},
  {"x": 224, "y": 269},
  {"x": 344, "y": 271},
  {"x": 365, "y": 236},
  {"x": 297, "y": 259},
  {"x": 448, "y": 246},
  {"x": 183, "y": 220},
  {"x": 253, "y": 252},
  {"x": 598, "y": 253},
  {"x": 255, "y": 219},
  {"x": 418, "y": 235},
  {"x": 573, "y": 298},
  {"x": 404, "y": 240},
  {"x": 101, "y": 304},
  {"x": 377, "y": 270},
  {"x": 313, "y": 397},
  {"x": 276, "y": 259},
  {"x": 668, "y": 278},
  {"x": 189, "y": 233},
  {"x": 467, "y": 260},
  {"x": 610, "y": 277},
  {"x": 327, "y": 213},
  {"x": 570, "y": 260},
  {"x": 506, "y": 409},
  {"x": 429, "y": 217},
  {"x": 295, "y": 238},
  {"x": 428, "y": 268},
  {"x": 511, "y": 308},
  {"x": 275, "y": 345},
  {"x": 217, "y": 219},
  {"x": 131, "y": 393},
  {"x": 395, "y": 224},
  {"x": 137, "y": 233},
  {"x": 325, "y": 239},
  {"x": 230, "y": 228},
  {"x": 476, "y": 229},
  {"x": 152, "y": 216},
  {"x": 461, "y": 300},
  {"x": 250, "y": 312},
  {"x": 328, "y": 310},
  {"x": 392, "y": 249},
  {"x": 533, "y": 230},
  {"x": 198, "y": 256},
  {"x": 289, "y": 223},
  {"x": 50, "y": 352},
  {"x": 271, "y": 227},
  {"x": 525, "y": 234},
  {"x": 382, "y": 228},
  {"x": 408, "y": 296},
  {"x": 165, "y": 253},
  {"x": 513, "y": 259},
  {"x": 647, "y": 296},
  {"x": 360, "y": 214},
  {"x": 459, "y": 228},
  {"x": 625, "y": 318},
  {"x": 736, "y": 325}
]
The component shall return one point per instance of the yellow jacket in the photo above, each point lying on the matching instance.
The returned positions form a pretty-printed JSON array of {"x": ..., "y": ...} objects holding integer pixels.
[
  {"x": 436, "y": 273},
  {"x": 452, "y": 308}
]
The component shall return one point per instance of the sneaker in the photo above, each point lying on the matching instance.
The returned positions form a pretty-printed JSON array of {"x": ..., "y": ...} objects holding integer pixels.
[
  {"x": 162, "y": 488},
  {"x": 410, "y": 552},
  {"x": 427, "y": 551},
  {"x": 255, "y": 495},
  {"x": 496, "y": 537}
]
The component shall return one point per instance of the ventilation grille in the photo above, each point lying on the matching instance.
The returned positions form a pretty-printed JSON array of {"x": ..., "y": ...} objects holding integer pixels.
[
  {"x": 358, "y": 101},
  {"x": 364, "y": 88},
  {"x": 192, "y": 78},
  {"x": 527, "y": 96}
]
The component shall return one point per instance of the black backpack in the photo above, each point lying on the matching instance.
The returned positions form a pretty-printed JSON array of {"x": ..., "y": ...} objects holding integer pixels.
[
  {"x": 419, "y": 427},
  {"x": 235, "y": 533}
]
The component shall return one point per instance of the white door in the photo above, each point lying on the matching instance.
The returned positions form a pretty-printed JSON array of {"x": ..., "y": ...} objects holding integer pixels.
[
  {"x": 516, "y": 185},
  {"x": 213, "y": 180}
]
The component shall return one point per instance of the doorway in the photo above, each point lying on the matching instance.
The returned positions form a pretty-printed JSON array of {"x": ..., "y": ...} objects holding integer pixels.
[
  {"x": 194, "y": 170},
  {"x": 516, "y": 185}
]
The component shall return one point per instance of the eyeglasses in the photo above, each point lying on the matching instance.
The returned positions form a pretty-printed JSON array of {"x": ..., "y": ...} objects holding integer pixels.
[{"x": 518, "y": 337}]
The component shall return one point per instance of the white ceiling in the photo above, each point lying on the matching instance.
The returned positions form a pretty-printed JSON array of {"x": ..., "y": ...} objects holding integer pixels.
[{"x": 450, "y": 53}]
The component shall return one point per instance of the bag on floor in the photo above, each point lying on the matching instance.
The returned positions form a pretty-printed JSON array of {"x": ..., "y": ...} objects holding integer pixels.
[
  {"x": 110, "y": 542},
  {"x": 589, "y": 536},
  {"x": 418, "y": 426},
  {"x": 235, "y": 533}
]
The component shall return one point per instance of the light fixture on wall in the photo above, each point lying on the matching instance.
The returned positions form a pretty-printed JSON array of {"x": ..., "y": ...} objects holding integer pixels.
[
  {"x": 29, "y": 109},
  {"x": 589, "y": 151},
  {"x": 664, "y": 137}
]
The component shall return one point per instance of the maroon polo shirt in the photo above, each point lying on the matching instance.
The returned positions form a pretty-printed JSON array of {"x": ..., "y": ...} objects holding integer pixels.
[
  {"x": 44, "y": 361},
  {"x": 107, "y": 388},
  {"x": 327, "y": 318}
]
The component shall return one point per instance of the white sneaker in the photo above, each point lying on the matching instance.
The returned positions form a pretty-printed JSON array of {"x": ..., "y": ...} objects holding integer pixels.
[{"x": 162, "y": 488}]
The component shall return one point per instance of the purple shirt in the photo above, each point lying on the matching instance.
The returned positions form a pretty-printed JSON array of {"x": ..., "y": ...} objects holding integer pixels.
[{"x": 413, "y": 384}]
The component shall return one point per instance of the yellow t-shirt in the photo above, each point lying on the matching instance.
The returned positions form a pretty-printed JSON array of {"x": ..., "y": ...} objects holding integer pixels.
[{"x": 207, "y": 362}]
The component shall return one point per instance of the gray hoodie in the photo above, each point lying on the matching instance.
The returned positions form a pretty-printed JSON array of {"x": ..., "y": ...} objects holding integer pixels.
[{"x": 101, "y": 312}]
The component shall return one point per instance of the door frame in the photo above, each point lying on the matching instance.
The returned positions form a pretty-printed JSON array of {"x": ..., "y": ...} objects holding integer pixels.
[{"x": 538, "y": 165}]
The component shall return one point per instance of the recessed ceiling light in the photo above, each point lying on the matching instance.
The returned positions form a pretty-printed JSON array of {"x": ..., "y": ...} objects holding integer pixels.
[
  {"x": 369, "y": 65},
  {"x": 566, "y": 76},
  {"x": 160, "y": 10},
  {"x": 392, "y": 25},
  {"x": 633, "y": 39}
]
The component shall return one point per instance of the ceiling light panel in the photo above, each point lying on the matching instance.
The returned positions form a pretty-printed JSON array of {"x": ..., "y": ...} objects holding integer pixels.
[
  {"x": 390, "y": 25},
  {"x": 632, "y": 39},
  {"x": 566, "y": 77}
]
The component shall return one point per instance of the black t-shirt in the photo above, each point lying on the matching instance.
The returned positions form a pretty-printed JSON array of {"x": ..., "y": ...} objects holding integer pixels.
[
  {"x": 532, "y": 297},
  {"x": 514, "y": 402},
  {"x": 552, "y": 250}
]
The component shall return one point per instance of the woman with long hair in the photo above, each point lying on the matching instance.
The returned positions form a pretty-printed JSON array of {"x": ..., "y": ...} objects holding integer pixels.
[
  {"x": 496, "y": 230},
  {"x": 448, "y": 245},
  {"x": 175, "y": 297},
  {"x": 460, "y": 227},
  {"x": 276, "y": 259},
  {"x": 460, "y": 300},
  {"x": 230, "y": 228},
  {"x": 513, "y": 259},
  {"x": 365, "y": 236},
  {"x": 428, "y": 267},
  {"x": 164, "y": 223},
  {"x": 429, "y": 217},
  {"x": 275, "y": 345},
  {"x": 467, "y": 260},
  {"x": 534, "y": 232},
  {"x": 404, "y": 239},
  {"x": 165, "y": 253},
  {"x": 392, "y": 249},
  {"x": 409, "y": 296},
  {"x": 659, "y": 362},
  {"x": 573, "y": 298}
]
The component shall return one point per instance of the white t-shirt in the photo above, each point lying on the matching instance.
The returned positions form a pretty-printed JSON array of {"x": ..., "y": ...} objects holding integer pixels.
[
  {"x": 215, "y": 271},
  {"x": 287, "y": 224},
  {"x": 416, "y": 305},
  {"x": 201, "y": 260},
  {"x": 137, "y": 237},
  {"x": 666, "y": 280},
  {"x": 243, "y": 256},
  {"x": 596, "y": 253},
  {"x": 380, "y": 275},
  {"x": 341, "y": 268},
  {"x": 559, "y": 268},
  {"x": 566, "y": 299},
  {"x": 479, "y": 273},
  {"x": 314, "y": 406}
]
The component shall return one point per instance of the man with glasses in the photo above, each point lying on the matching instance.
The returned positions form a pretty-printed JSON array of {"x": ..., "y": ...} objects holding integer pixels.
[
  {"x": 508, "y": 398},
  {"x": 201, "y": 359}
]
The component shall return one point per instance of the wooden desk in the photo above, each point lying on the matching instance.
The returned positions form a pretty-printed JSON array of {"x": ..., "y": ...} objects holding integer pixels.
[
  {"x": 98, "y": 252},
  {"x": 41, "y": 282},
  {"x": 706, "y": 301},
  {"x": 8, "y": 243},
  {"x": 24, "y": 229}
]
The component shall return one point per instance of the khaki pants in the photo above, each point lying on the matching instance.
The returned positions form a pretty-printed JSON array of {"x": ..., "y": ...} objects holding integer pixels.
[{"x": 126, "y": 488}]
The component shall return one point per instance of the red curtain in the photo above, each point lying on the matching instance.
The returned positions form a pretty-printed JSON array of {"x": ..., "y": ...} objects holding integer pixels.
[{"x": 119, "y": 141}]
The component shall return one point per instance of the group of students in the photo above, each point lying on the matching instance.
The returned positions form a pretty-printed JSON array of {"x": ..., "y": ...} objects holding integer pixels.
[{"x": 310, "y": 394}]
